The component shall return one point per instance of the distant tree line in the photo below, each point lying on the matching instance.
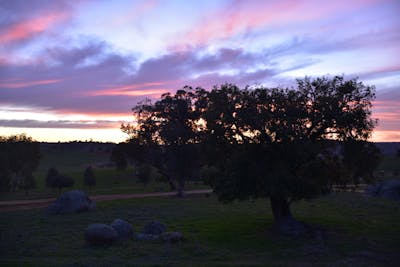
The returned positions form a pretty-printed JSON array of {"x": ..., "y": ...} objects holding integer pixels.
[
  {"x": 285, "y": 144},
  {"x": 20, "y": 157}
]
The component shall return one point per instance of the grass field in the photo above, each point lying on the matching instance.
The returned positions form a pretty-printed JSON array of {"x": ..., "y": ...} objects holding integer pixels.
[
  {"x": 111, "y": 181},
  {"x": 358, "y": 231},
  {"x": 108, "y": 179}
]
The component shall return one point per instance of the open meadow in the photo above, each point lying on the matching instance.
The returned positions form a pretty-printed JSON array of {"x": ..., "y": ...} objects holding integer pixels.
[
  {"x": 73, "y": 162},
  {"x": 356, "y": 231}
]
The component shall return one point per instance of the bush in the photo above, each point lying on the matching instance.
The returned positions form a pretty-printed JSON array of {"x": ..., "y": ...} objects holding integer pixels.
[{"x": 57, "y": 180}]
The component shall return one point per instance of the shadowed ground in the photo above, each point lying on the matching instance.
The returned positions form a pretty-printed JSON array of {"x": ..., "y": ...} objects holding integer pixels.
[{"x": 356, "y": 231}]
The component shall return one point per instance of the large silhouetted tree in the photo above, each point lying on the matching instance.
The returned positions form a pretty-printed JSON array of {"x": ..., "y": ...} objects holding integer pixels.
[
  {"x": 285, "y": 144},
  {"x": 288, "y": 144}
]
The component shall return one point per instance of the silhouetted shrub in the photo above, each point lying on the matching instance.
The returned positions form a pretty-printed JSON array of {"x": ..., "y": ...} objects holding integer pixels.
[{"x": 57, "y": 180}]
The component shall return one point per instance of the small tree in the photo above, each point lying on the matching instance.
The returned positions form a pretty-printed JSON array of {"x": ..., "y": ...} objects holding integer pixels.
[
  {"x": 56, "y": 180},
  {"x": 89, "y": 178}
]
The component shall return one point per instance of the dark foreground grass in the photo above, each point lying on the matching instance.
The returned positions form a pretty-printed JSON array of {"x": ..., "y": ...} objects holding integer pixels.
[{"x": 357, "y": 231}]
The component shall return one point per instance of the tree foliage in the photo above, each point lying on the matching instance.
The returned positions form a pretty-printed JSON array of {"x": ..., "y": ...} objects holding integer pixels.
[
  {"x": 19, "y": 157},
  {"x": 286, "y": 144},
  {"x": 165, "y": 136}
]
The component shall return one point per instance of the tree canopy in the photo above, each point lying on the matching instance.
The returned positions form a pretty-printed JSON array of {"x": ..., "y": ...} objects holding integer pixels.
[{"x": 286, "y": 144}]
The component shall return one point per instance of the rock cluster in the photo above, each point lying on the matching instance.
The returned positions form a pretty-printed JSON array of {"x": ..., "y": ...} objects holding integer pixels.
[{"x": 99, "y": 234}]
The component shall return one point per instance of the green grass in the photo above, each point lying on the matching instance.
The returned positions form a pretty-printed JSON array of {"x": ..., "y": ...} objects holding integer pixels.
[
  {"x": 108, "y": 180},
  {"x": 111, "y": 181},
  {"x": 236, "y": 234},
  {"x": 390, "y": 165}
]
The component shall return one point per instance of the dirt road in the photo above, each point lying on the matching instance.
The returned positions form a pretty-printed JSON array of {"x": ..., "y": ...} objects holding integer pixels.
[{"x": 41, "y": 203}]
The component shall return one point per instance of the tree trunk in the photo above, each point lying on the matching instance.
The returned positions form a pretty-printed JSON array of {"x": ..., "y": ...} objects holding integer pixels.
[
  {"x": 180, "y": 188},
  {"x": 284, "y": 221}
]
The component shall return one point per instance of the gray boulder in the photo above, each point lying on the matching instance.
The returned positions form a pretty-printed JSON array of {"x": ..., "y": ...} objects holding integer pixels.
[
  {"x": 171, "y": 237},
  {"x": 389, "y": 189},
  {"x": 123, "y": 228},
  {"x": 154, "y": 228},
  {"x": 99, "y": 234},
  {"x": 71, "y": 202}
]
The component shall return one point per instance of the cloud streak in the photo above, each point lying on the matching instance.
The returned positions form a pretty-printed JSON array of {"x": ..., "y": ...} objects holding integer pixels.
[
  {"x": 22, "y": 84},
  {"x": 66, "y": 124}
]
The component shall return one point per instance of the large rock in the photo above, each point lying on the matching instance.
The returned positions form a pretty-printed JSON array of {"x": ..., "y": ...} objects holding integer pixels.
[
  {"x": 99, "y": 234},
  {"x": 389, "y": 189},
  {"x": 154, "y": 228},
  {"x": 123, "y": 228},
  {"x": 71, "y": 202}
]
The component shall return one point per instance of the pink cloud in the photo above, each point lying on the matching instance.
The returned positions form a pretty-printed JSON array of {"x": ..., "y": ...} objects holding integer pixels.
[
  {"x": 157, "y": 92},
  {"x": 136, "y": 11},
  {"x": 31, "y": 27},
  {"x": 242, "y": 16},
  {"x": 142, "y": 89},
  {"x": 17, "y": 84}
]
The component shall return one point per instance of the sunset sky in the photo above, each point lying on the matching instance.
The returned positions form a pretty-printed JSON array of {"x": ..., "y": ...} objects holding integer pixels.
[{"x": 72, "y": 70}]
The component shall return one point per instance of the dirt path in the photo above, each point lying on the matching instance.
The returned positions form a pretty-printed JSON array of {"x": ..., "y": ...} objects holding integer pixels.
[{"x": 41, "y": 203}]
